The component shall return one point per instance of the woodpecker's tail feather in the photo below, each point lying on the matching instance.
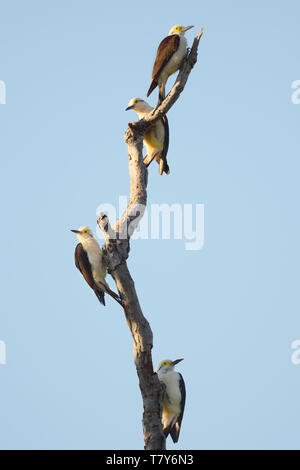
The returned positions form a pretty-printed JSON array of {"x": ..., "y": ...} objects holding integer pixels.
[
  {"x": 162, "y": 162},
  {"x": 152, "y": 87},
  {"x": 167, "y": 430},
  {"x": 163, "y": 166},
  {"x": 174, "y": 431},
  {"x": 100, "y": 295}
]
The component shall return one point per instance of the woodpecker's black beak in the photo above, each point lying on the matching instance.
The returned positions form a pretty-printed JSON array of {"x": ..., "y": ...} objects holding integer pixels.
[
  {"x": 75, "y": 231},
  {"x": 128, "y": 108},
  {"x": 176, "y": 362}
]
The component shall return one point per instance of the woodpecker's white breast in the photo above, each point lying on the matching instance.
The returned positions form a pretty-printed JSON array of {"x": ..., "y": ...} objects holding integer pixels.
[
  {"x": 175, "y": 61},
  {"x": 95, "y": 257},
  {"x": 154, "y": 138},
  {"x": 171, "y": 380}
]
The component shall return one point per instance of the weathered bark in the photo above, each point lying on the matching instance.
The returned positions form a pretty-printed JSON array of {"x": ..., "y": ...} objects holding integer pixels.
[
  {"x": 117, "y": 248},
  {"x": 117, "y": 240}
]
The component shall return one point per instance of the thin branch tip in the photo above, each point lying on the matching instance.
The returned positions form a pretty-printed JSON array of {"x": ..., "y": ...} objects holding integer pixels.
[{"x": 200, "y": 33}]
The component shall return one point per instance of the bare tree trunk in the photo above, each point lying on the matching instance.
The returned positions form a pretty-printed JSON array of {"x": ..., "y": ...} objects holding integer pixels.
[{"x": 117, "y": 248}]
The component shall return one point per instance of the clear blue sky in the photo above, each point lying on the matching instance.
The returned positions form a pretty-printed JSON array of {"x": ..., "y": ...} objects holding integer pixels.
[{"x": 231, "y": 309}]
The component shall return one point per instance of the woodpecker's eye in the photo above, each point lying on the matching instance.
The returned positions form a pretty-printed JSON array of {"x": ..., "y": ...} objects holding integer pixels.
[
  {"x": 85, "y": 231},
  {"x": 166, "y": 363}
]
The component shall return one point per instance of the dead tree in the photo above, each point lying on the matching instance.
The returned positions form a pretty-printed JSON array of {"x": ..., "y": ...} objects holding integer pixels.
[{"x": 117, "y": 241}]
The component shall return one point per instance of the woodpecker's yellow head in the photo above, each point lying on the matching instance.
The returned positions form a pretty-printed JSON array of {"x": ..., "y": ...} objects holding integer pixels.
[
  {"x": 167, "y": 365},
  {"x": 178, "y": 29},
  {"x": 83, "y": 233},
  {"x": 138, "y": 105}
]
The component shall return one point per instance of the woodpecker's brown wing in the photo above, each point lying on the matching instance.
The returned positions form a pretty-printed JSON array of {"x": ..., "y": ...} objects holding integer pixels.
[
  {"x": 175, "y": 430},
  {"x": 83, "y": 264},
  {"x": 165, "y": 50},
  {"x": 165, "y": 122}
]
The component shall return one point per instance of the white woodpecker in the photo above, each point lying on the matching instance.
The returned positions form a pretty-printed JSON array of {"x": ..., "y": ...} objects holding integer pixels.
[
  {"x": 169, "y": 57},
  {"x": 90, "y": 261},
  {"x": 173, "y": 399},
  {"x": 156, "y": 139}
]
